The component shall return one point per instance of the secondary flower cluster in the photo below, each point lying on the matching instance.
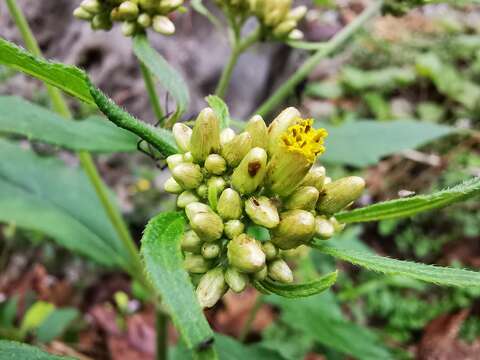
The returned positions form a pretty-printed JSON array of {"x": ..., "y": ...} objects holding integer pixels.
[
  {"x": 266, "y": 177},
  {"x": 276, "y": 17},
  {"x": 135, "y": 15}
]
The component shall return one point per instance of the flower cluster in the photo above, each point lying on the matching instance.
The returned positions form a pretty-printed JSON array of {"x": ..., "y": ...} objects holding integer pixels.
[
  {"x": 135, "y": 15},
  {"x": 227, "y": 182},
  {"x": 276, "y": 17}
]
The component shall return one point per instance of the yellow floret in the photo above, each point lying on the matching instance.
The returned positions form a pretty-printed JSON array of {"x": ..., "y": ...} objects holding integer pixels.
[{"x": 305, "y": 139}]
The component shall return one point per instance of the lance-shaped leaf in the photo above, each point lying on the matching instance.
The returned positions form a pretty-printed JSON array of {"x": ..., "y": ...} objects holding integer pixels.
[
  {"x": 16, "y": 350},
  {"x": 412, "y": 205},
  {"x": 221, "y": 110},
  {"x": 433, "y": 274},
  {"x": 164, "y": 264}
]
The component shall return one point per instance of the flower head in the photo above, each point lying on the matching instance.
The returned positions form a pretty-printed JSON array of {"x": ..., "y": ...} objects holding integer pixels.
[{"x": 304, "y": 139}]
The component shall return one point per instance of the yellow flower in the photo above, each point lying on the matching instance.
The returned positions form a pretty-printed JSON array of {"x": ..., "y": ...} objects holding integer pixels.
[{"x": 303, "y": 138}]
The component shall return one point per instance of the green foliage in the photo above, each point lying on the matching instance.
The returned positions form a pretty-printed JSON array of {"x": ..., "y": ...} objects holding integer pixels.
[
  {"x": 56, "y": 323},
  {"x": 15, "y": 350},
  {"x": 36, "y": 315},
  {"x": 221, "y": 110},
  {"x": 164, "y": 265},
  {"x": 383, "y": 80}
]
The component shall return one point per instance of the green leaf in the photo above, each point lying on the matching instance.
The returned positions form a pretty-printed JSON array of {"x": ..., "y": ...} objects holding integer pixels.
[
  {"x": 429, "y": 273},
  {"x": 94, "y": 134},
  {"x": 412, "y": 205},
  {"x": 170, "y": 79},
  {"x": 300, "y": 290},
  {"x": 45, "y": 195},
  {"x": 164, "y": 264},
  {"x": 14, "y": 350},
  {"x": 383, "y": 80},
  {"x": 68, "y": 78},
  {"x": 35, "y": 315},
  {"x": 258, "y": 232},
  {"x": 220, "y": 109},
  {"x": 361, "y": 143},
  {"x": 56, "y": 323}
]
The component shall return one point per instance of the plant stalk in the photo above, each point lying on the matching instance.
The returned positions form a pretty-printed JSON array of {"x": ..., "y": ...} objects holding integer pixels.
[
  {"x": 251, "y": 317},
  {"x": 302, "y": 72},
  {"x": 152, "y": 93},
  {"x": 161, "y": 327}
]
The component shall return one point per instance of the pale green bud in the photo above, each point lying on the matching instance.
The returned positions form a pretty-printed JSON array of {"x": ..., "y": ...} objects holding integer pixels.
[
  {"x": 218, "y": 183},
  {"x": 195, "y": 264},
  {"x": 338, "y": 226},
  {"x": 210, "y": 250},
  {"x": 128, "y": 10},
  {"x": 297, "y": 13},
  {"x": 167, "y": 6},
  {"x": 279, "y": 270},
  {"x": 101, "y": 22},
  {"x": 236, "y": 280},
  {"x": 340, "y": 193},
  {"x": 191, "y": 242},
  {"x": 205, "y": 136},
  {"x": 211, "y": 288},
  {"x": 327, "y": 180},
  {"x": 186, "y": 198},
  {"x": 288, "y": 117},
  {"x": 304, "y": 198},
  {"x": 296, "y": 227},
  {"x": 324, "y": 229},
  {"x": 296, "y": 253},
  {"x": 188, "y": 157},
  {"x": 284, "y": 28},
  {"x": 188, "y": 175},
  {"x": 258, "y": 131},
  {"x": 262, "y": 211},
  {"x": 163, "y": 25},
  {"x": 226, "y": 135},
  {"x": 92, "y": 6},
  {"x": 215, "y": 164},
  {"x": 174, "y": 160},
  {"x": 145, "y": 21},
  {"x": 275, "y": 10},
  {"x": 115, "y": 15},
  {"x": 233, "y": 228},
  {"x": 182, "y": 134},
  {"x": 249, "y": 175},
  {"x": 82, "y": 14},
  {"x": 270, "y": 250},
  {"x": 245, "y": 254},
  {"x": 209, "y": 226},
  {"x": 235, "y": 150},
  {"x": 129, "y": 28},
  {"x": 229, "y": 205},
  {"x": 148, "y": 4},
  {"x": 195, "y": 208},
  {"x": 261, "y": 274},
  {"x": 315, "y": 177},
  {"x": 295, "y": 34},
  {"x": 172, "y": 186},
  {"x": 202, "y": 191}
]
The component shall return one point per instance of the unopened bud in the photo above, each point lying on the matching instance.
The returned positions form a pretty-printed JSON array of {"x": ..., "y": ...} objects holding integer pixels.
[
  {"x": 163, "y": 25},
  {"x": 245, "y": 254},
  {"x": 101, "y": 22},
  {"x": 248, "y": 176},
  {"x": 296, "y": 227},
  {"x": 188, "y": 175},
  {"x": 196, "y": 264},
  {"x": 297, "y": 13},
  {"x": 258, "y": 130},
  {"x": 304, "y": 198},
  {"x": 191, "y": 242},
  {"x": 229, "y": 205},
  {"x": 202, "y": 191},
  {"x": 210, "y": 250},
  {"x": 236, "y": 280},
  {"x": 295, "y": 34},
  {"x": 323, "y": 228},
  {"x": 188, "y": 157},
  {"x": 172, "y": 186},
  {"x": 208, "y": 226},
  {"x": 217, "y": 182},
  {"x": 235, "y": 150},
  {"x": 338, "y": 226},
  {"x": 270, "y": 250},
  {"x": 211, "y": 288},
  {"x": 205, "y": 136},
  {"x": 215, "y": 164},
  {"x": 182, "y": 134},
  {"x": 284, "y": 28},
  {"x": 233, "y": 228},
  {"x": 226, "y": 135},
  {"x": 261, "y": 274},
  {"x": 279, "y": 270},
  {"x": 174, "y": 160},
  {"x": 129, "y": 28},
  {"x": 166, "y": 6},
  {"x": 92, "y": 6},
  {"x": 195, "y": 208},
  {"x": 262, "y": 211},
  {"x": 185, "y": 198},
  {"x": 340, "y": 193},
  {"x": 288, "y": 117},
  {"x": 327, "y": 180},
  {"x": 145, "y": 21},
  {"x": 82, "y": 14},
  {"x": 128, "y": 10},
  {"x": 315, "y": 177}
]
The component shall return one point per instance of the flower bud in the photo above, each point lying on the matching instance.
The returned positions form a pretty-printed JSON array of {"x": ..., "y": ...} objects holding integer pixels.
[
  {"x": 211, "y": 288},
  {"x": 172, "y": 186},
  {"x": 295, "y": 254},
  {"x": 92, "y": 6},
  {"x": 236, "y": 280},
  {"x": 188, "y": 157},
  {"x": 195, "y": 264},
  {"x": 279, "y": 270},
  {"x": 288, "y": 117},
  {"x": 82, "y": 14},
  {"x": 163, "y": 25},
  {"x": 167, "y": 6},
  {"x": 174, "y": 160},
  {"x": 208, "y": 226},
  {"x": 284, "y": 28},
  {"x": 297, "y": 13},
  {"x": 315, "y": 177},
  {"x": 304, "y": 198},
  {"x": 338, "y": 226},
  {"x": 229, "y": 205},
  {"x": 129, "y": 28},
  {"x": 145, "y": 21},
  {"x": 245, "y": 254},
  {"x": 324, "y": 229},
  {"x": 296, "y": 227},
  {"x": 182, "y": 134},
  {"x": 217, "y": 182},
  {"x": 210, "y": 250},
  {"x": 202, "y": 191},
  {"x": 248, "y": 176},
  {"x": 233, "y": 228},
  {"x": 215, "y": 164},
  {"x": 261, "y": 274},
  {"x": 195, "y": 208},
  {"x": 205, "y": 136},
  {"x": 186, "y": 198},
  {"x": 226, "y": 135},
  {"x": 327, "y": 180},
  {"x": 128, "y": 10},
  {"x": 188, "y": 175},
  {"x": 270, "y": 250},
  {"x": 146, "y": 4},
  {"x": 101, "y": 22},
  {"x": 258, "y": 131},
  {"x": 235, "y": 150},
  {"x": 340, "y": 193},
  {"x": 295, "y": 34},
  {"x": 191, "y": 242},
  {"x": 262, "y": 211}
]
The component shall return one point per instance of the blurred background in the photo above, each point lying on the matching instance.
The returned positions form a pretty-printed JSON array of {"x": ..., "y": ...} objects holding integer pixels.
[{"x": 417, "y": 74}]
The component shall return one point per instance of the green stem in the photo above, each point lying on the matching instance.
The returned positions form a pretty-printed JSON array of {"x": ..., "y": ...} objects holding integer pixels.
[
  {"x": 161, "y": 326},
  {"x": 302, "y": 72},
  {"x": 152, "y": 93},
  {"x": 251, "y": 317},
  {"x": 61, "y": 107}
]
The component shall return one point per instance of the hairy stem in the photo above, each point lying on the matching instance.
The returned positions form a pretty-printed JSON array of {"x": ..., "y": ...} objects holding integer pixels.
[
  {"x": 302, "y": 72},
  {"x": 152, "y": 93}
]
